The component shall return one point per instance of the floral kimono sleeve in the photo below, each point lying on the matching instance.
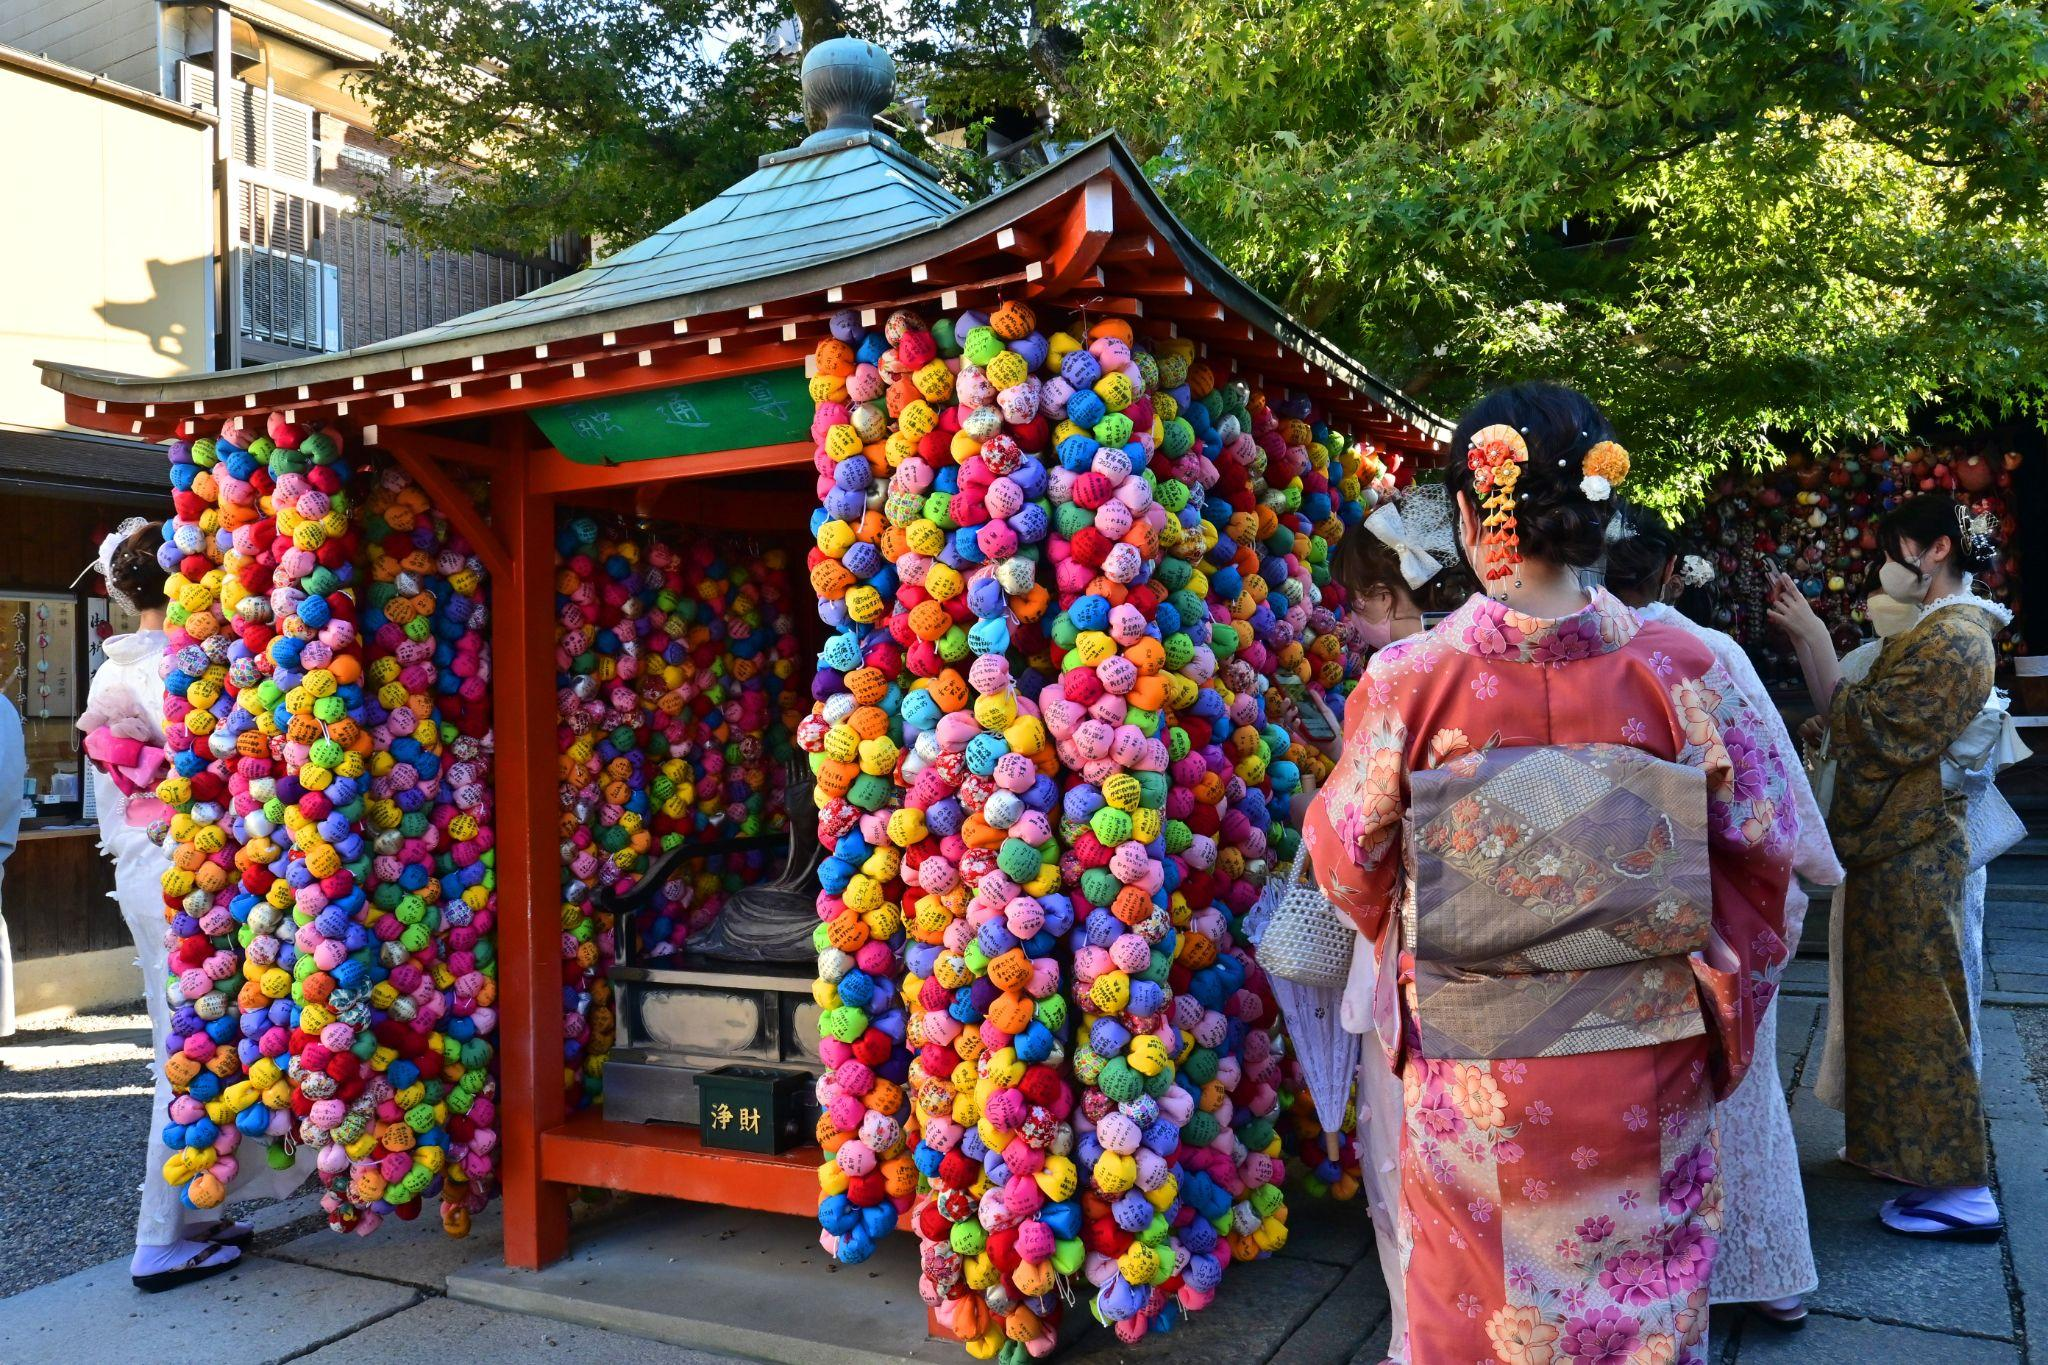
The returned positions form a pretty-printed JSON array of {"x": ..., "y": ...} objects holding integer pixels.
[
  {"x": 1750, "y": 824},
  {"x": 1812, "y": 855},
  {"x": 1353, "y": 827}
]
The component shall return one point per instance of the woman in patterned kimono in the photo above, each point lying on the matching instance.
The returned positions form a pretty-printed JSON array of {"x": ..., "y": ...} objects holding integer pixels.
[
  {"x": 1558, "y": 827},
  {"x": 1766, "y": 1255},
  {"x": 1915, "y": 1112}
]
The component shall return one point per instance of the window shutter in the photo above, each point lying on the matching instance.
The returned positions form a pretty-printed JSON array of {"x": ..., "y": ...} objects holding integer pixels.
[{"x": 286, "y": 142}]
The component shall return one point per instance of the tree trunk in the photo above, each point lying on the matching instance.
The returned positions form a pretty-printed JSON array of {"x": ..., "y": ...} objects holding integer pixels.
[{"x": 818, "y": 20}]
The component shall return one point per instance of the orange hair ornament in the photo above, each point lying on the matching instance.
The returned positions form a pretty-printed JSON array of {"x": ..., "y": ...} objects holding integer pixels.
[
  {"x": 1496, "y": 457},
  {"x": 1605, "y": 466}
]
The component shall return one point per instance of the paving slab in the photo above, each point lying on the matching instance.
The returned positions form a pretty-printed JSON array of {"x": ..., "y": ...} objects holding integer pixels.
[
  {"x": 278, "y": 1217},
  {"x": 425, "y": 1335},
  {"x": 1335, "y": 1232},
  {"x": 1375, "y": 1349},
  {"x": 1818, "y": 1131},
  {"x": 2020, "y": 983},
  {"x": 2019, "y": 1152},
  {"x": 1805, "y": 976},
  {"x": 1829, "y": 1340},
  {"x": 1342, "y": 1324},
  {"x": 261, "y": 1311},
  {"x": 727, "y": 1280},
  {"x": 1258, "y": 1308},
  {"x": 1868, "y": 1272},
  {"x": 2007, "y": 1093},
  {"x": 416, "y": 1253}
]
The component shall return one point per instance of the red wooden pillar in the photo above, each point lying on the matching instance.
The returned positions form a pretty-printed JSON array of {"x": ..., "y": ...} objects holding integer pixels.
[{"x": 531, "y": 1099}]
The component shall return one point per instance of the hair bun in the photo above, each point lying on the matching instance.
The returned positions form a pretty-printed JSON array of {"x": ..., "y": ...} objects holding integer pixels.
[{"x": 1566, "y": 439}]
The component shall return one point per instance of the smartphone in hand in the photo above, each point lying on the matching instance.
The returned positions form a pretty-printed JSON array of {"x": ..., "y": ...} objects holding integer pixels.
[{"x": 1314, "y": 723}]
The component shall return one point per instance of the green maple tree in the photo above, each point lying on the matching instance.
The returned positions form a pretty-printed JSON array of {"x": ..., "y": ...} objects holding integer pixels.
[
  {"x": 516, "y": 123},
  {"x": 1737, "y": 223}
]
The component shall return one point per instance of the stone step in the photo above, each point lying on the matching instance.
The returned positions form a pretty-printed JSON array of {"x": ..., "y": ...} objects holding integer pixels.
[
  {"x": 727, "y": 1280},
  {"x": 756, "y": 1285}
]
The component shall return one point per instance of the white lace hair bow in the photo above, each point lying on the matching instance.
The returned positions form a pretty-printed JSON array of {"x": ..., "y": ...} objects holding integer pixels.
[
  {"x": 1418, "y": 565},
  {"x": 103, "y": 564}
]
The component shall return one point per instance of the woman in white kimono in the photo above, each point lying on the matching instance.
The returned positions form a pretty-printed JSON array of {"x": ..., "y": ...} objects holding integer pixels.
[
  {"x": 1408, "y": 546},
  {"x": 123, "y": 724},
  {"x": 13, "y": 777},
  {"x": 1766, "y": 1258}
]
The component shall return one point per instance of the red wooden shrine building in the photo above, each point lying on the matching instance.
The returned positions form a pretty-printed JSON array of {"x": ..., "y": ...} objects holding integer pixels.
[{"x": 667, "y": 381}]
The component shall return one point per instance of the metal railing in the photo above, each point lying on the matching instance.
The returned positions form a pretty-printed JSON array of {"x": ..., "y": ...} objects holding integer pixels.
[{"x": 315, "y": 274}]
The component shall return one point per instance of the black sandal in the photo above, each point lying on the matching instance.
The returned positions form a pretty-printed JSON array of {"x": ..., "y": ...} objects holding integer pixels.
[
  {"x": 223, "y": 1232},
  {"x": 198, "y": 1268},
  {"x": 1953, "y": 1229},
  {"x": 1782, "y": 1320}
]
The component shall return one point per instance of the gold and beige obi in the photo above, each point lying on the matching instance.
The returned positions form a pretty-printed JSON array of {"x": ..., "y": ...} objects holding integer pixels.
[{"x": 1555, "y": 895}]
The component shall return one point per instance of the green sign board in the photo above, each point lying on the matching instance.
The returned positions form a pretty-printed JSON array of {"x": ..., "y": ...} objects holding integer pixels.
[{"x": 690, "y": 419}]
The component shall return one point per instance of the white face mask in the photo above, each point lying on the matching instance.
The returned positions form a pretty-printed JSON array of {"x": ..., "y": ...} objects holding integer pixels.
[
  {"x": 1888, "y": 616},
  {"x": 1902, "y": 582}
]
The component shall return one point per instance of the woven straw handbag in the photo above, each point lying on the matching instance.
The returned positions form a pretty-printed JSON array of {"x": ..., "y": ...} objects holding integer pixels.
[{"x": 1306, "y": 938}]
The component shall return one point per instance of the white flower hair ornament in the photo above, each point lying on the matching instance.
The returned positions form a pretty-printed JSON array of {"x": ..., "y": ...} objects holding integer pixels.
[{"x": 1603, "y": 469}]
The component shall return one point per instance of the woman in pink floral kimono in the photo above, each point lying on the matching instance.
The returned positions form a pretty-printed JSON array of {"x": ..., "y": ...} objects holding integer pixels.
[{"x": 1556, "y": 825}]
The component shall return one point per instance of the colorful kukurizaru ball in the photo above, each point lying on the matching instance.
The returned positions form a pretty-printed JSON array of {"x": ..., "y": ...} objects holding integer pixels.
[
  {"x": 720, "y": 656},
  {"x": 990, "y": 1014},
  {"x": 855, "y": 739},
  {"x": 1134, "y": 649},
  {"x": 1316, "y": 1171},
  {"x": 431, "y": 877},
  {"x": 338, "y": 951},
  {"x": 600, "y": 607},
  {"x": 964, "y": 471},
  {"x": 933, "y": 490},
  {"x": 317, "y": 807},
  {"x": 229, "y": 975}
]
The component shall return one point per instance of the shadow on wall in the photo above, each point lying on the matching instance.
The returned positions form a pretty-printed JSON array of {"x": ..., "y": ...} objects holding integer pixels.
[{"x": 173, "y": 318}]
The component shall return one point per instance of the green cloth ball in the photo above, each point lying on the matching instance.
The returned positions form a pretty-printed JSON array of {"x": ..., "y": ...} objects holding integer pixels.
[
  {"x": 1121, "y": 1082},
  {"x": 1099, "y": 885},
  {"x": 1111, "y": 826},
  {"x": 982, "y": 346}
]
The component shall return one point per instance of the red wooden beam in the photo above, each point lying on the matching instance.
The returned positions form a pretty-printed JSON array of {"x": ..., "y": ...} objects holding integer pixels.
[
  {"x": 450, "y": 451},
  {"x": 557, "y": 475},
  {"x": 671, "y": 1160},
  {"x": 1018, "y": 241},
  {"x": 780, "y": 511},
  {"x": 1188, "y": 310},
  {"x": 529, "y": 876},
  {"x": 614, "y": 375},
  {"x": 1143, "y": 248},
  {"x": 1087, "y": 230},
  {"x": 1164, "y": 286},
  {"x": 454, "y": 502}
]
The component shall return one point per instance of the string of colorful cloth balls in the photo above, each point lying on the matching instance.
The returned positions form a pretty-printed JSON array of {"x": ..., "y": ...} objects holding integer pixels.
[
  {"x": 329, "y": 899},
  {"x": 1058, "y": 567},
  {"x": 674, "y": 660}
]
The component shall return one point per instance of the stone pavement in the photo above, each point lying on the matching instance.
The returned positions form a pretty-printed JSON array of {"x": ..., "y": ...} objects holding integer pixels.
[{"x": 711, "y": 1281}]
